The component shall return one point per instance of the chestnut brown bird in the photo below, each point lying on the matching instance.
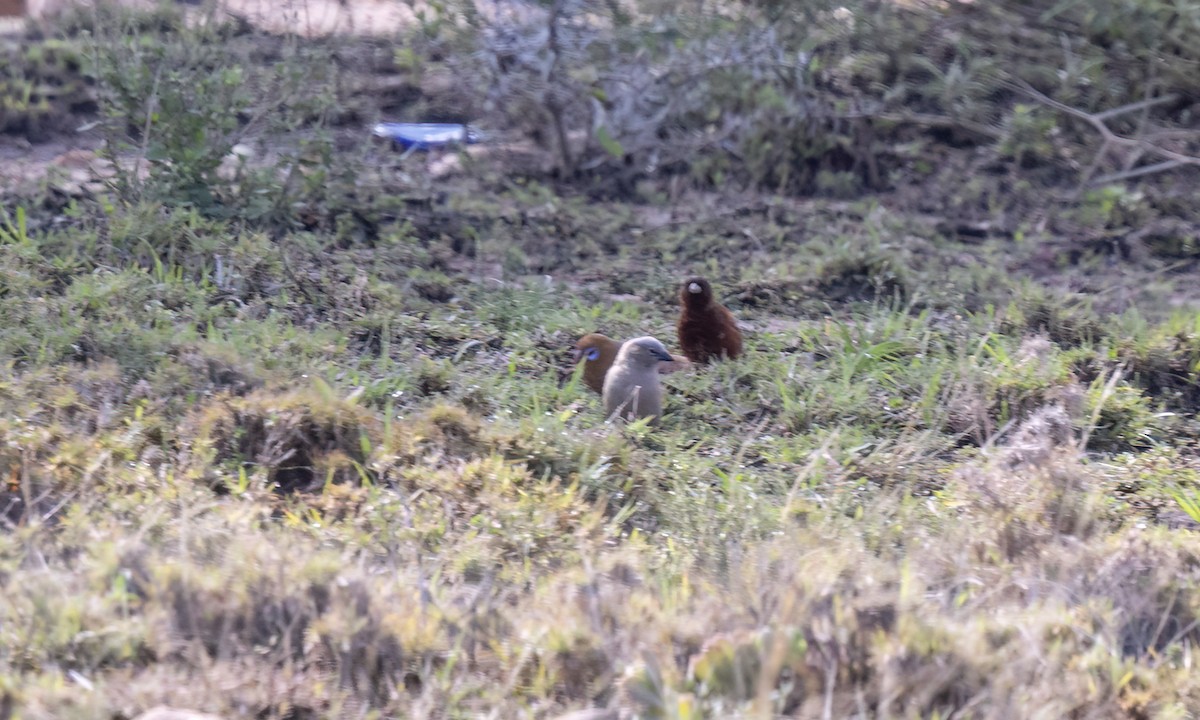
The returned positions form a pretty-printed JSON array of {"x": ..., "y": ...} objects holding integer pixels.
[
  {"x": 598, "y": 352},
  {"x": 706, "y": 328},
  {"x": 631, "y": 387}
]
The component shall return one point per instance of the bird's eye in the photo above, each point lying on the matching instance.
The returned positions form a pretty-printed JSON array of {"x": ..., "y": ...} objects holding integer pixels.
[{"x": 593, "y": 354}]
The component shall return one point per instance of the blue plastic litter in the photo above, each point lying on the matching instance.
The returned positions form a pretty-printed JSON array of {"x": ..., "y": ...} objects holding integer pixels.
[{"x": 427, "y": 136}]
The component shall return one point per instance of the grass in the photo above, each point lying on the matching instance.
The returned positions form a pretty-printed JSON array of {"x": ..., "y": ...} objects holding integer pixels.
[
  {"x": 343, "y": 493},
  {"x": 312, "y": 451}
]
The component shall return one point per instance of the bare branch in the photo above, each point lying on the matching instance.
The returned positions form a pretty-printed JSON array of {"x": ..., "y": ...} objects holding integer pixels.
[
  {"x": 1111, "y": 138},
  {"x": 1085, "y": 177},
  {"x": 1137, "y": 172},
  {"x": 1134, "y": 107},
  {"x": 937, "y": 121}
]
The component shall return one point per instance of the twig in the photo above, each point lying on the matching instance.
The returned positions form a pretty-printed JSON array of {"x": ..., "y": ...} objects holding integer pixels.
[
  {"x": 1106, "y": 392},
  {"x": 1085, "y": 178},
  {"x": 814, "y": 461},
  {"x": 1134, "y": 107},
  {"x": 937, "y": 121},
  {"x": 1170, "y": 135},
  {"x": 552, "y": 103},
  {"x": 830, "y": 682},
  {"x": 1136, "y": 172},
  {"x": 1143, "y": 120},
  {"x": 151, "y": 105}
]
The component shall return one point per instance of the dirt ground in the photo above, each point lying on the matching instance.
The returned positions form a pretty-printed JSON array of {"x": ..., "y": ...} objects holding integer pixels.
[{"x": 310, "y": 18}]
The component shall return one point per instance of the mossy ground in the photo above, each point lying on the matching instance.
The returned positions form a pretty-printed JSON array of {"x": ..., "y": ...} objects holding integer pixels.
[{"x": 336, "y": 469}]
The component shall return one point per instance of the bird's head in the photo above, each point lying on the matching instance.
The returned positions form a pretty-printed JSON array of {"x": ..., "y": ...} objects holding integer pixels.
[
  {"x": 645, "y": 351},
  {"x": 696, "y": 292},
  {"x": 593, "y": 346}
]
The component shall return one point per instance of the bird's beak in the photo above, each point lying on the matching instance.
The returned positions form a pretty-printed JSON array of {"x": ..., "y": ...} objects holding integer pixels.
[
  {"x": 694, "y": 288},
  {"x": 663, "y": 356},
  {"x": 576, "y": 353}
]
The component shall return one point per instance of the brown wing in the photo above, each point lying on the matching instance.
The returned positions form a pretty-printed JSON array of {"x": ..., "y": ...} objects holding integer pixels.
[{"x": 731, "y": 342}]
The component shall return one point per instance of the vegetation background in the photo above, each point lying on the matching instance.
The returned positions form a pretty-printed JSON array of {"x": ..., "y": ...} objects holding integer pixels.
[{"x": 287, "y": 428}]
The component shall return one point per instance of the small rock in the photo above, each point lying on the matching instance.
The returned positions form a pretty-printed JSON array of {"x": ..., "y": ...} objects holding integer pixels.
[
  {"x": 445, "y": 166},
  {"x": 232, "y": 163},
  {"x": 163, "y": 712},
  {"x": 590, "y": 714}
]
